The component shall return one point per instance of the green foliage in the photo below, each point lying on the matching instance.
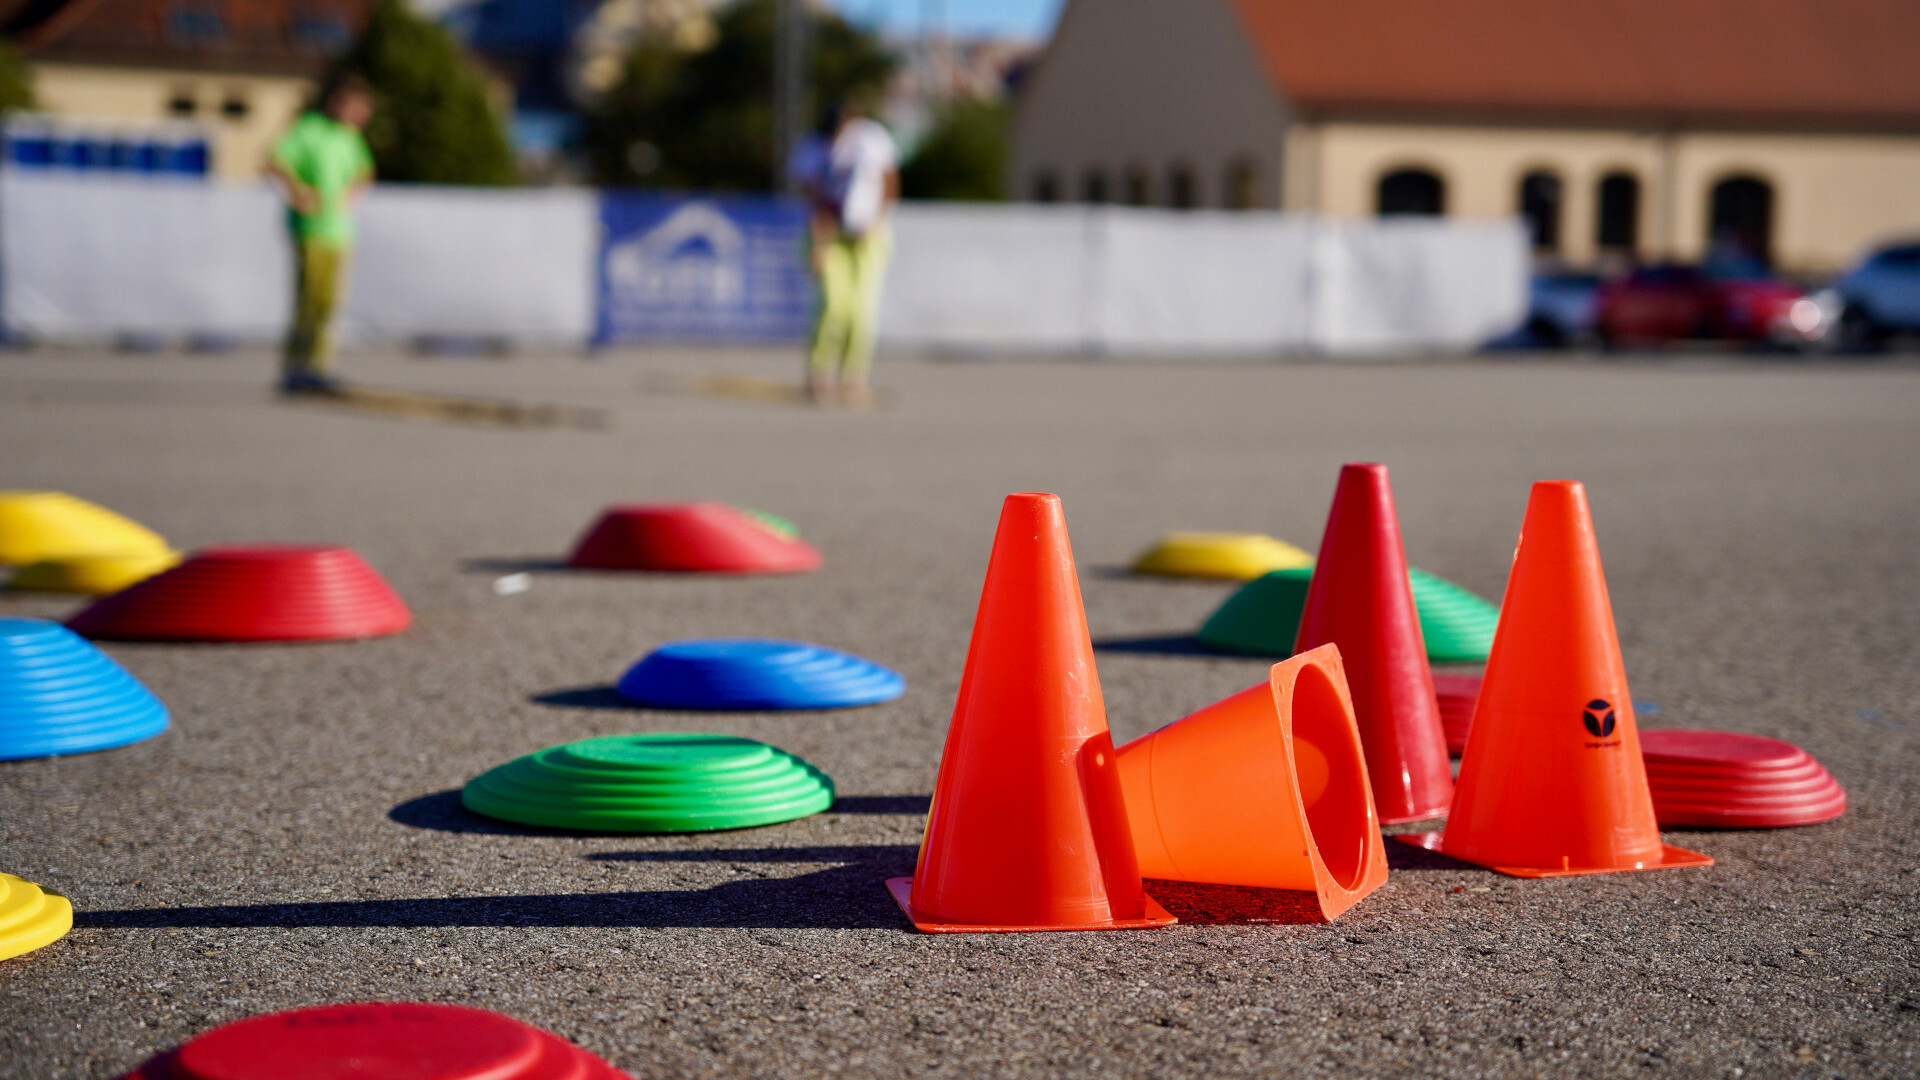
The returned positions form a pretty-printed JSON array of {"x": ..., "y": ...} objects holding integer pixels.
[
  {"x": 433, "y": 122},
  {"x": 705, "y": 120},
  {"x": 965, "y": 157},
  {"x": 16, "y": 81}
]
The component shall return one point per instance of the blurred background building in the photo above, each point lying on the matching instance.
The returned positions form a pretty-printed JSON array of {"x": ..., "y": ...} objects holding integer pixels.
[
  {"x": 128, "y": 73},
  {"x": 1619, "y": 129}
]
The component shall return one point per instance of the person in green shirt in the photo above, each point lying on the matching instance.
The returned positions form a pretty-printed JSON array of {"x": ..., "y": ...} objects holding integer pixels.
[{"x": 322, "y": 166}]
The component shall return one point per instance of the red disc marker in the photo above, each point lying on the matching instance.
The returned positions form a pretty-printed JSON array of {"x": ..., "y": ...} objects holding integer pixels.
[
  {"x": 691, "y": 537},
  {"x": 378, "y": 1041},
  {"x": 252, "y": 593}
]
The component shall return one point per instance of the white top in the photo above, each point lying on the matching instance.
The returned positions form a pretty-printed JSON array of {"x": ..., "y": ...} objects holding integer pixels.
[{"x": 850, "y": 173}]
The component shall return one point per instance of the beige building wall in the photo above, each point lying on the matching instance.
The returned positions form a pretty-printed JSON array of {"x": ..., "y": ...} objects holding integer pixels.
[
  {"x": 239, "y": 145},
  {"x": 1150, "y": 84},
  {"x": 1833, "y": 194}
]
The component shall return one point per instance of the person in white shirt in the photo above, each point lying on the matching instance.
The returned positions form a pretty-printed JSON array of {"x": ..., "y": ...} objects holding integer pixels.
[{"x": 849, "y": 174}]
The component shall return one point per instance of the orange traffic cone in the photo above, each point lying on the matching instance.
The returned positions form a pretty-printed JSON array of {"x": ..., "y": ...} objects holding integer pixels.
[
  {"x": 1361, "y": 601},
  {"x": 1027, "y": 829},
  {"x": 1267, "y": 788},
  {"x": 1552, "y": 783}
]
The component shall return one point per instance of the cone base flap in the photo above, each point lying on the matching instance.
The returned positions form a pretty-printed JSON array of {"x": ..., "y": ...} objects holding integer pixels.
[
  {"x": 1671, "y": 858},
  {"x": 902, "y": 890}
]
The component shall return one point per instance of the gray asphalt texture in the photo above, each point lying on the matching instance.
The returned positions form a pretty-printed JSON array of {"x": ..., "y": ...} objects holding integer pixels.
[{"x": 296, "y": 839}]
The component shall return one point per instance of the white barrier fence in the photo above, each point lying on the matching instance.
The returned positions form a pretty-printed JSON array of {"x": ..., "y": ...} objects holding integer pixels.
[
  {"x": 98, "y": 257},
  {"x": 1114, "y": 279}
]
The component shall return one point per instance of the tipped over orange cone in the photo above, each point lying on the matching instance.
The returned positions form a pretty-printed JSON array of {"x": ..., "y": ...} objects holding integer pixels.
[
  {"x": 1267, "y": 788},
  {"x": 1027, "y": 829},
  {"x": 1552, "y": 783}
]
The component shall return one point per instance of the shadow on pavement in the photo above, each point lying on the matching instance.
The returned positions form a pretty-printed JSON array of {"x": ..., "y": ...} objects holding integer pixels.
[
  {"x": 442, "y": 812},
  {"x": 1162, "y": 645},
  {"x": 847, "y": 897},
  {"x": 1407, "y": 857},
  {"x": 513, "y": 566},
  {"x": 1195, "y": 904},
  {"x": 585, "y": 697}
]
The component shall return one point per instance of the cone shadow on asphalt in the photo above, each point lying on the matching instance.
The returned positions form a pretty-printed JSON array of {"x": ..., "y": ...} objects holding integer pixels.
[{"x": 843, "y": 897}]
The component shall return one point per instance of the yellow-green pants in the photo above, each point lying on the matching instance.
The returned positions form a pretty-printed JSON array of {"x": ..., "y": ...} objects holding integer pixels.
[
  {"x": 852, "y": 269},
  {"x": 320, "y": 277}
]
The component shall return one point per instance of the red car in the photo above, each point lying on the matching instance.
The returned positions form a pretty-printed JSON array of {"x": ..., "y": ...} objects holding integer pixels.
[{"x": 1727, "y": 299}]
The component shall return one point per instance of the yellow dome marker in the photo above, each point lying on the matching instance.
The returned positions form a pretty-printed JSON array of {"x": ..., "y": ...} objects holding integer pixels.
[
  {"x": 94, "y": 575},
  {"x": 30, "y": 916},
  {"x": 36, "y": 525},
  {"x": 1234, "y": 556}
]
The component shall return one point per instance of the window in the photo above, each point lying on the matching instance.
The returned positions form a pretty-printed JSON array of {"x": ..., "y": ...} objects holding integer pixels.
[
  {"x": 1093, "y": 187},
  {"x": 1540, "y": 208},
  {"x": 1183, "y": 188},
  {"x": 1740, "y": 217},
  {"x": 1139, "y": 186},
  {"x": 1617, "y": 223},
  {"x": 182, "y": 102},
  {"x": 1411, "y": 192},
  {"x": 236, "y": 106},
  {"x": 1046, "y": 186},
  {"x": 1242, "y": 188}
]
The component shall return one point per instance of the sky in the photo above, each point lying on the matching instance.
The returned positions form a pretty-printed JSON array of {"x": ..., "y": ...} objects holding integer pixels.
[{"x": 1021, "y": 18}]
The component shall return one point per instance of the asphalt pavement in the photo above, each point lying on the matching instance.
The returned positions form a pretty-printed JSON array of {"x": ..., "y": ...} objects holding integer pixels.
[{"x": 296, "y": 837}]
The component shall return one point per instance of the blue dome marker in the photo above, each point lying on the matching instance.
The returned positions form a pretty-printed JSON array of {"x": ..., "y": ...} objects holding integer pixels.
[
  {"x": 59, "y": 694},
  {"x": 753, "y": 674}
]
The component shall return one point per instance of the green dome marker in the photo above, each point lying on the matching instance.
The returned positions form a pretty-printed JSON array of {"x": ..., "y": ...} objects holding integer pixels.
[
  {"x": 1262, "y": 617},
  {"x": 652, "y": 784}
]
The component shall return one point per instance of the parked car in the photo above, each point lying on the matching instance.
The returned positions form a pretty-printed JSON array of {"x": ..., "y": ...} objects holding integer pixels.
[
  {"x": 1560, "y": 312},
  {"x": 1878, "y": 298},
  {"x": 1730, "y": 298}
]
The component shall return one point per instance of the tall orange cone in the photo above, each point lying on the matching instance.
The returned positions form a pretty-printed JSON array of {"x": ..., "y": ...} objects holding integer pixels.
[
  {"x": 1552, "y": 783},
  {"x": 1027, "y": 829},
  {"x": 1361, "y": 601},
  {"x": 1267, "y": 788}
]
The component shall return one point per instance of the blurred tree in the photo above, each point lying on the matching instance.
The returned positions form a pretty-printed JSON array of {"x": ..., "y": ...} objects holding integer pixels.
[
  {"x": 705, "y": 119},
  {"x": 433, "y": 121},
  {"x": 965, "y": 156},
  {"x": 16, "y": 81}
]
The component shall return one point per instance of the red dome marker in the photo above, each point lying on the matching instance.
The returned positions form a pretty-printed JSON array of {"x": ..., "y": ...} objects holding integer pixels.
[
  {"x": 378, "y": 1041},
  {"x": 1726, "y": 780},
  {"x": 698, "y": 537},
  {"x": 1456, "y": 694},
  {"x": 251, "y": 593}
]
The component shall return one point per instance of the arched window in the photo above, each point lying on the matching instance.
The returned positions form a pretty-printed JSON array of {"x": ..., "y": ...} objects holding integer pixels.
[
  {"x": 1242, "y": 188},
  {"x": 1540, "y": 208},
  {"x": 1617, "y": 220},
  {"x": 1046, "y": 186},
  {"x": 1183, "y": 188},
  {"x": 1411, "y": 191},
  {"x": 1740, "y": 217},
  {"x": 1093, "y": 186},
  {"x": 1139, "y": 186}
]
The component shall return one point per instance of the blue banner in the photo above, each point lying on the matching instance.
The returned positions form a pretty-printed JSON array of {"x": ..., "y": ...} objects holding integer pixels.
[{"x": 688, "y": 268}]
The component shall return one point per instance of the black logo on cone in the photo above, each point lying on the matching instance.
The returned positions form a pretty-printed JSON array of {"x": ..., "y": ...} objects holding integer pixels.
[{"x": 1599, "y": 718}]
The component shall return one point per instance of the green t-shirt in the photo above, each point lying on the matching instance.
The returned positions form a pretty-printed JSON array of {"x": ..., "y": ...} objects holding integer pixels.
[{"x": 329, "y": 157}]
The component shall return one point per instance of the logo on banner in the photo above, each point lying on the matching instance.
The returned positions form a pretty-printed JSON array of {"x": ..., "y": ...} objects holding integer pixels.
[{"x": 694, "y": 259}]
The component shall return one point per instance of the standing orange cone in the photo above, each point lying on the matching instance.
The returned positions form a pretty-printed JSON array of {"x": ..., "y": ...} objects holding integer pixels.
[
  {"x": 1267, "y": 788},
  {"x": 1552, "y": 783},
  {"x": 1027, "y": 829},
  {"x": 1360, "y": 600}
]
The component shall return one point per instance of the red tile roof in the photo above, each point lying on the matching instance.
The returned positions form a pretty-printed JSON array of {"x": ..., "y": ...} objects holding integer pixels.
[
  {"x": 1797, "y": 62},
  {"x": 290, "y": 36}
]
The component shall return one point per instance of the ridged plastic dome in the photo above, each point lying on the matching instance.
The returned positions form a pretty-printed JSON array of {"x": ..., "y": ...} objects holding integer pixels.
[
  {"x": 252, "y": 593},
  {"x": 61, "y": 695},
  {"x": 750, "y": 674},
  {"x": 30, "y": 917},
  {"x": 379, "y": 1041},
  {"x": 705, "y": 537},
  {"x": 652, "y": 784}
]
